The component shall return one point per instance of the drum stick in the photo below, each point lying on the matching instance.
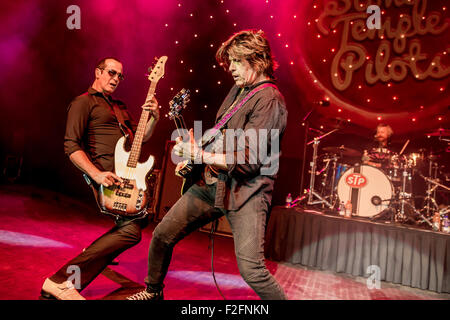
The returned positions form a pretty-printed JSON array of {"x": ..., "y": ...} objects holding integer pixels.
[{"x": 403, "y": 149}]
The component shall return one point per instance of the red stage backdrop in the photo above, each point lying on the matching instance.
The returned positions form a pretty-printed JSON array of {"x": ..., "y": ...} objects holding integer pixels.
[{"x": 398, "y": 74}]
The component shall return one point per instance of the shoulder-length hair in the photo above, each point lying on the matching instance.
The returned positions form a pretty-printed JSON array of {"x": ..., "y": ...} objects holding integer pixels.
[{"x": 251, "y": 45}]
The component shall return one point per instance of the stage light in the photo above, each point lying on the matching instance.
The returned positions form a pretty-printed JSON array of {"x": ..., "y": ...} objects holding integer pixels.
[
  {"x": 28, "y": 240},
  {"x": 226, "y": 280}
]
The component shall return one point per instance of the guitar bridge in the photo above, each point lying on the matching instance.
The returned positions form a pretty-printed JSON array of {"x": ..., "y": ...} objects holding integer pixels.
[{"x": 120, "y": 206}]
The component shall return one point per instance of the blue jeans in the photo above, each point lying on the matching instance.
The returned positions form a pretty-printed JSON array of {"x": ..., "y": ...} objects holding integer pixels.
[{"x": 194, "y": 210}]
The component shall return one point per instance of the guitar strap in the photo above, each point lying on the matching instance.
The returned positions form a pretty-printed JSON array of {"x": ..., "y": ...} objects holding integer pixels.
[
  {"x": 227, "y": 117},
  {"x": 121, "y": 121},
  {"x": 123, "y": 127}
]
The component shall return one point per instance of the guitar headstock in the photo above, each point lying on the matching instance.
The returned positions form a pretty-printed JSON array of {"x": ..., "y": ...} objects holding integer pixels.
[
  {"x": 178, "y": 103},
  {"x": 157, "y": 72}
]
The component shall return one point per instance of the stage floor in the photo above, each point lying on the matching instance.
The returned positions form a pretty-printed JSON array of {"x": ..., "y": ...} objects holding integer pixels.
[{"x": 40, "y": 230}]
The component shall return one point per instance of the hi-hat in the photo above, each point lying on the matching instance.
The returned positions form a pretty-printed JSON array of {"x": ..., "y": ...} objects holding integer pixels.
[
  {"x": 439, "y": 133},
  {"x": 343, "y": 151}
]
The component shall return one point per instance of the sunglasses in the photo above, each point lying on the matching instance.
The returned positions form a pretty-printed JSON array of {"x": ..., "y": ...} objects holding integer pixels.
[{"x": 113, "y": 73}]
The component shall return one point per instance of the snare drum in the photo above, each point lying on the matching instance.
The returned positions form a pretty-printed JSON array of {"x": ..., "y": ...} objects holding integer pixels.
[{"x": 367, "y": 188}]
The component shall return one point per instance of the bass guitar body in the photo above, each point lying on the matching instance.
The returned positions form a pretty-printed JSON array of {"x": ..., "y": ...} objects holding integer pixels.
[{"x": 131, "y": 198}]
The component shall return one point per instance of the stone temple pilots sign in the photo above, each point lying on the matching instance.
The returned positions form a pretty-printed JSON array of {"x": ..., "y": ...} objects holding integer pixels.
[{"x": 350, "y": 17}]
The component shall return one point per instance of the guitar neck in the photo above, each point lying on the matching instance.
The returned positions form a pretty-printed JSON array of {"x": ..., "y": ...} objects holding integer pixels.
[{"x": 140, "y": 131}]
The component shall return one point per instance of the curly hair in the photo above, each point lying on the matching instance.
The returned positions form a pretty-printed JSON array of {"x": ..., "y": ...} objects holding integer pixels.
[
  {"x": 390, "y": 132},
  {"x": 251, "y": 45}
]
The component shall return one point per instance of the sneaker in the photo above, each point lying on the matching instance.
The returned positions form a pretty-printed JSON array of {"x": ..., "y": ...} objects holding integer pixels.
[
  {"x": 145, "y": 295},
  {"x": 59, "y": 291}
]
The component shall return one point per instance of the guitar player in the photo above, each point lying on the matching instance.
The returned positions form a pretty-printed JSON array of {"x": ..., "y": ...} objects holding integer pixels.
[
  {"x": 240, "y": 191},
  {"x": 92, "y": 131}
]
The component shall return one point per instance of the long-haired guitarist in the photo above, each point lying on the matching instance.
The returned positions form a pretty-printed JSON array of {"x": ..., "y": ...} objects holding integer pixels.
[
  {"x": 240, "y": 190},
  {"x": 92, "y": 131}
]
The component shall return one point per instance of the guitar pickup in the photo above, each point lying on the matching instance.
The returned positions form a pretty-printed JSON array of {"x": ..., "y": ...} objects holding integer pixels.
[
  {"x": 128, "y": 186},
  {"x": 123, "y": 194},
  {"x": 120, "y": 206}
]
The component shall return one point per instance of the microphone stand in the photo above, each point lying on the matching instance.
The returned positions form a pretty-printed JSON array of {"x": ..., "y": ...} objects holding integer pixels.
[{"x": 306, "y": 124}]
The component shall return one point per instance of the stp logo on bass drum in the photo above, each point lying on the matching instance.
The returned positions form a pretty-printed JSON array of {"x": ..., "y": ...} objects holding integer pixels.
[{"x": 356, "y": 180}]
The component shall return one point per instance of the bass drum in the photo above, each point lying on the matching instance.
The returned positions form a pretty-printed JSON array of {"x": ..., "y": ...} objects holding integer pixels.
[{"x": 367, "y": 188}]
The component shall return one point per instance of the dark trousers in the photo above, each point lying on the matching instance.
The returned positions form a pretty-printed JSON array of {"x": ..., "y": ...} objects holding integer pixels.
[
  {"x": 195, "y": 209},
  {"x": 94, "y": 259}
]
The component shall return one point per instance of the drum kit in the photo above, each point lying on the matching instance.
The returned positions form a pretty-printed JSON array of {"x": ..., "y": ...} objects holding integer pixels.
[{"x": 379, "y": 184}]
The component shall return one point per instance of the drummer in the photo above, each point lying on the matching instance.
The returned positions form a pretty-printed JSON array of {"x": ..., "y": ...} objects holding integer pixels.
[{"x": 379, "y": 155}]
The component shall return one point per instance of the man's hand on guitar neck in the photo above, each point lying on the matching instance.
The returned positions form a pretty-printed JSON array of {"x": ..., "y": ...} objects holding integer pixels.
[
  {"x": 188, "y": 150},
  {"x": 151, "y": 106},
  {"x": 192, "y": 152}
]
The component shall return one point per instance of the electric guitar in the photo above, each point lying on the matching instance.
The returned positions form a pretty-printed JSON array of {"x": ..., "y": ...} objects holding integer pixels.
[
  {"x": 131, "y": 198},
  {"x": 190, "y": 172}
]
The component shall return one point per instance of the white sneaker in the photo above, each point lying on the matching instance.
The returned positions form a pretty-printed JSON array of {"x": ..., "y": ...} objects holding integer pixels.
[{"x": 60, "y": 291}]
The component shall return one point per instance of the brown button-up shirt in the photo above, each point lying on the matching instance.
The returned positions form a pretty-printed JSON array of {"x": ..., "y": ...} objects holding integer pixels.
[
  {"x": 92, "y": 126},
  {"x": 265, "y": 110}
]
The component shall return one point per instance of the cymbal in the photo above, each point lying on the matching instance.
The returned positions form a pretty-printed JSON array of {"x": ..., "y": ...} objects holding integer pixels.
[
  {"x": 343, "y": 151},
  {"x": 439, "y": 132}
]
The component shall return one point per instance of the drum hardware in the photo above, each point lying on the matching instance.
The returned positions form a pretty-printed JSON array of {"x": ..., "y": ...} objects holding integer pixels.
[
  {"x": 401, "y": 207},
  {"x": 343, "y": 151},
  {"x": 439, "y": 133},
  {"x": 430, "y": 204},
  {"x": 311, "y": 193}
]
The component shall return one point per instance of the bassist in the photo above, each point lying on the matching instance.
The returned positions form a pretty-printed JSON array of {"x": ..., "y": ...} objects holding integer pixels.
[{"x": 92, "y": 131}]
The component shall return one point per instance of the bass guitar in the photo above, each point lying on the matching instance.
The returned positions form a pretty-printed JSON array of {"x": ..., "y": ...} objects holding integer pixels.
[{"x": 131, "y": 198}]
